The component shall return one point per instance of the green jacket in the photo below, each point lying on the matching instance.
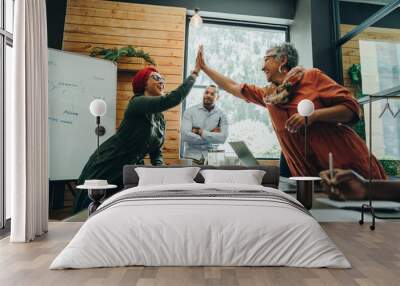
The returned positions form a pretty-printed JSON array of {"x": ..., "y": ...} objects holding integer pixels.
[{"x": 141, "y": 132}]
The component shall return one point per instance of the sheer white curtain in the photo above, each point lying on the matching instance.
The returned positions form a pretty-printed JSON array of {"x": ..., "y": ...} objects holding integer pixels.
[{"x": 27, "y": 123}]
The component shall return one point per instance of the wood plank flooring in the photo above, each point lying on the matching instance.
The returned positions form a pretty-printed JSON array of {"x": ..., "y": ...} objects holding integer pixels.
[{"x": 375, "y": 257}]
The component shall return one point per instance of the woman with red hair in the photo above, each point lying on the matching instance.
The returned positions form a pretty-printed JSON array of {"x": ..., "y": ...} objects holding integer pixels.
[{"x": 141, "y": 131}]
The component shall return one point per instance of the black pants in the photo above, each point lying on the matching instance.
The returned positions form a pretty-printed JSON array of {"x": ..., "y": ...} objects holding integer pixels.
[{"x": 283, "y": 167}]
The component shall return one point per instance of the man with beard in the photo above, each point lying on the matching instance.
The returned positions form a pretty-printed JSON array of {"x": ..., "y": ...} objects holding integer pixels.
[{"x": 203, "y": 125}]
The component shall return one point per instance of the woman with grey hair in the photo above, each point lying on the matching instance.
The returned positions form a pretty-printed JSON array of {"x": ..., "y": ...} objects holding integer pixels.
[{"x": 334, "y": 107}]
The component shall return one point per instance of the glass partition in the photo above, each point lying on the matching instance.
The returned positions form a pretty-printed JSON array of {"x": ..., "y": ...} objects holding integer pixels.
[{"x": 371, "y": 63}]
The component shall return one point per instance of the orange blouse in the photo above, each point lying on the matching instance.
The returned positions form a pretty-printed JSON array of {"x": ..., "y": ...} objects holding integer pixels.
[{"x": 348, "y": 149}]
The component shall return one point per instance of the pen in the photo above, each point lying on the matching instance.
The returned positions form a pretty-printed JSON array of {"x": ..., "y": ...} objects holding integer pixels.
[{"x": 331, "y": 169}]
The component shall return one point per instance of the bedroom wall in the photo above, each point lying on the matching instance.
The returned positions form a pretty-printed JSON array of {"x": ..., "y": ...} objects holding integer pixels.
[
  {"x": 279, "y": 9},
  {"x": 323, "y": 48},
  {"x": 282, "y": 9},
  {"x": 158, "y": 30},
  {"x": 347, "y": 15},
  {"x": 385, "y": 130},
  {"x": 300, "y": 33},
  {"x": 351, "y": 49},
  {"x": 387, "y": 29}
]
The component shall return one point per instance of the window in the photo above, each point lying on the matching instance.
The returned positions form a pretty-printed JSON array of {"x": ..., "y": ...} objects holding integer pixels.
[
  {"x": 237, "y": 50},
  {"x": 6, "y": 44}
]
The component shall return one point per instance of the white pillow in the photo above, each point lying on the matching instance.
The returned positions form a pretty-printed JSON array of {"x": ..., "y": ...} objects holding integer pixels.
[
  {"x": 166, "y": 176},
  {"x": 248, "y": 177}
]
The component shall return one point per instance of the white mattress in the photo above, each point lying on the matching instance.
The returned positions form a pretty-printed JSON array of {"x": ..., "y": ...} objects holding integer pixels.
[{"x": 192, "y": 231}]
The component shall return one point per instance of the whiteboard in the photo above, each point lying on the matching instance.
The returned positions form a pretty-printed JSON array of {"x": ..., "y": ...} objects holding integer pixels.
[{"x": 74, "y": 81}]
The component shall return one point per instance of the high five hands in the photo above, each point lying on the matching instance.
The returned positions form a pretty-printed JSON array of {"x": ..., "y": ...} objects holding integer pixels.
[{"x": 200, "y": 63}]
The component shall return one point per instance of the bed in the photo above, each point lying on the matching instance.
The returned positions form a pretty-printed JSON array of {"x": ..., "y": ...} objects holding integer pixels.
[{"x": 198, "y": 224}]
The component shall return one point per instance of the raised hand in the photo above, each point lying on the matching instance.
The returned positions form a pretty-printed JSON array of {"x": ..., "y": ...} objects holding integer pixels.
[
  {"x": 197, "y": 67},
  {"x": 200, "y": 58}
]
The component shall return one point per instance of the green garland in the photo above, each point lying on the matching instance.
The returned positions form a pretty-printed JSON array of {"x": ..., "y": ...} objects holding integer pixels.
[
  {"x": 114, "y": 54},
  {"x": 355, "y": 77}
]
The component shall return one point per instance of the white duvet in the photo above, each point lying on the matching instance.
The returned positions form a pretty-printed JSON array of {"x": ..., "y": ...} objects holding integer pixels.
[{"x": 200, "y": 231}]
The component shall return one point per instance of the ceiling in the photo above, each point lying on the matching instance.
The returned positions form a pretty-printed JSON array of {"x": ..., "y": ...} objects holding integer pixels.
[{"x": 377, "y": 2}]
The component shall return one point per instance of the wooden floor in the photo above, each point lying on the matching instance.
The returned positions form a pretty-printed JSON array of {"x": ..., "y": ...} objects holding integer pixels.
[{"x": 374, "y": 255}]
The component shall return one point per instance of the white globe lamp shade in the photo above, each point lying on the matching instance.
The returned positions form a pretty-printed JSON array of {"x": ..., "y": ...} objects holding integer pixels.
[
  {"x": 98, "y": 107},
  {"x": 305, "y": 107},
  {"x": 196, "y": 21}
]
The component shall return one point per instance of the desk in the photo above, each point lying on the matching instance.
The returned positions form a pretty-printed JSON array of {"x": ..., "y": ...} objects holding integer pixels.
[{"x": 305, "y": 190}]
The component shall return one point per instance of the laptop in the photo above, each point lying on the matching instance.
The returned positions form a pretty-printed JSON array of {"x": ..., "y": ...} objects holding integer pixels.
[{"x": 244, "y": 154}]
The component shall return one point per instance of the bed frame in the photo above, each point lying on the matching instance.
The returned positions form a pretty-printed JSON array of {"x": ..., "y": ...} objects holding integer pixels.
[{"x": 270, "y": 179}]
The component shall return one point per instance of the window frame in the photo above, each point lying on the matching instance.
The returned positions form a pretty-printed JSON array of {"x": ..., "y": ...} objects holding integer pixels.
[{"x": 225, "y": 22}]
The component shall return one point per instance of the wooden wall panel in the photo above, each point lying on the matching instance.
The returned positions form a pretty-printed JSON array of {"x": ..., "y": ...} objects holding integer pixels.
[
  {"x": 158, "y": 30},
  {"x": 351, "y": 49}
]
